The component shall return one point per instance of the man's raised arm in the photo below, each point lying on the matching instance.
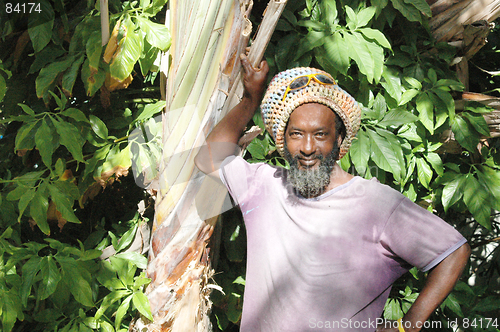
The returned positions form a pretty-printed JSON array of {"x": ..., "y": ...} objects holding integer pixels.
[{"x": 223, "y": 140}]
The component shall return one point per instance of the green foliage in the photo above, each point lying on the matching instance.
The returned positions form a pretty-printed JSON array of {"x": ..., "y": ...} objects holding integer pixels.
[
  {"x": 72, "y": 110},
  {"x": 56, "y": 286},
  {"x": 65, "y": 120}
]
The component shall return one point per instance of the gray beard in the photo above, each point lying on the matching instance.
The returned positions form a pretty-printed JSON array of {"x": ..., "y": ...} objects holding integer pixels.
[{"x": 311, "y": 182}]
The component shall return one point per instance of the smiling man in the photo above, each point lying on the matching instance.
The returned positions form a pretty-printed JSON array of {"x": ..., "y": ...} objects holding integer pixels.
[{"x": 324, "y": 246}]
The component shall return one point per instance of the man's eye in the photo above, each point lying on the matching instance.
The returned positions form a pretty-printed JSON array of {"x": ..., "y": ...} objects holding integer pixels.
[{"x": 321, "y": 134}]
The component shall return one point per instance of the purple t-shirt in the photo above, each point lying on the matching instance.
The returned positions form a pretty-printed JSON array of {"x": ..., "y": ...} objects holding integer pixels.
[{"x": 328, "y": 261}]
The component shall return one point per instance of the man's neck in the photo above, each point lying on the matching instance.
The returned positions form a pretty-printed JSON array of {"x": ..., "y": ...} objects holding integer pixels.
[{"x": 338, "y": 177}]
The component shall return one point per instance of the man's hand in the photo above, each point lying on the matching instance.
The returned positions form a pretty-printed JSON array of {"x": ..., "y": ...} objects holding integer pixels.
[
  {"x": 223, "y": 140},
  {"x": 254, "y": 80}
]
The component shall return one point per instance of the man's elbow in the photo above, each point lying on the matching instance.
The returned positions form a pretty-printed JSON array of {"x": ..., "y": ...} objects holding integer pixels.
[
  {"x": 466, "y": 251},
  {"x": 201, "y": 162}
]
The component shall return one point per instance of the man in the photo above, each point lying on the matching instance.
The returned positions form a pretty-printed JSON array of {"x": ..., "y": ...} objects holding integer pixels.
[{"x": 324, "y": 247}]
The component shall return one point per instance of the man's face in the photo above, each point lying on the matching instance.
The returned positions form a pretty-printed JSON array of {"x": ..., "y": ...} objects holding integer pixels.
[{"x": 311, "y": 148}]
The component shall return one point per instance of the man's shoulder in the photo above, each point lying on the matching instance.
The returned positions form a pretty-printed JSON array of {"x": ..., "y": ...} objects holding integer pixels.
[
  {"x": 373, "y": 189},
  {"x": 238, "y": 166}
]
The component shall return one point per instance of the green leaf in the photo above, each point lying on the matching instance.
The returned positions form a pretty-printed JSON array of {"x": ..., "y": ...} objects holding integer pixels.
[
  {"x": 76, "y": 277},
  {"x": 312, "y": 40},
  {"x": 447, "y": 98},
  {"x": 40, "y": 26},
  {"x": 30, "y": 270},
  {"x": 422, "y": 6},
  {"x": 256, "y": 149},
  {"x": 392, "y": 310},
  {"x": 82, "y": 292},
  {"x": 479, "y": 123},
  {"x": 360, "y": 152},
  {"x": 452, "y": 303},
  {"x": 464, "y": 136},
  {"x": 69, "y": 77},
  {"x": 50, "y": 277},
  {"x": 316, "y": 25},
  {"x": 27, "y": 109},
  {"x": 364, "y": 16},
  {"x": 156, "y": 34},
  {"x": 3, "y": 87},
  {"x": 424, "y": 172},
  {"x": 397, "y": 117},
  {"x": 126, "y": 239},
  {"x": 47, "y": 142},
  {"x": 135, "y": 258},
  {"x": 329, "y": 10},
  {"x": 392, "y": 83},
  {"x": 141, "y": 303},
  {"x": 377, "y": 54},
  {"x": 122, "y": 310},
  {"x": 63, "y": 204},
  {"x": 475, "y": 196},
  {"x": 351, "y": 18},
  {"x": 337, "y": 51},
  {"x": 93, "y": 49},
  {"x": 38, "y": 210},
  {"x": 70, "y": 137},
  {"x": 240, "y": 281},
  {"x": 407, "y": 96},
  {"x": 67, "y": 188},
  {"x": 109, "y": 299},
  {"x": 452, "y": 191},
  {"x": 47, "y": 76},
  {"x": 75, "y": 114},
  {"x": 376, "y": 35},
  {"x": 92, "y": 79},
  {"x": 383, "y": 153},
  {"x": 48, "y": 55},
  {"x": 24, "y": 201},
  {"x": 150, "y": 110},
  {"x": 425, "y": 111},
  {"x": 410, "y": 12},
  {"x": 25, "y": 138},
  {"x": 17, "y": 193},
  {"x": 414, "y": 83},
  {"x": 148, "y": 60},
  {"x": 431, "y": 73},
  {"x": 489, "y": 303},
  {"x": 378, "y": 110},
  {"x": 128, "y": 52},
  {"x": 12, "y": 310},
  {"x": 435, "y": 160},
  {"x": 359, "y": 52},
  {"x": 98, "y": 126},
  {"x": 490, "y": 179}
]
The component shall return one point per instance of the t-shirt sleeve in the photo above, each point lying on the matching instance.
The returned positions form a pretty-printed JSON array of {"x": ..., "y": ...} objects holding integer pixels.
[
  {"x": 419, "y": 237},
  {"x": 238, "y": 176}
]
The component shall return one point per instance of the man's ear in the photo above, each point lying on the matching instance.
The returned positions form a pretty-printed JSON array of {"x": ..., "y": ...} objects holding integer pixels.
[{"x": 339, "y": 140}]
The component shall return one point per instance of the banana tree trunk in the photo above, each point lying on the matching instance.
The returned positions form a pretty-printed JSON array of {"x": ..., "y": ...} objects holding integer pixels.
[{"x": 202, "y": 84}]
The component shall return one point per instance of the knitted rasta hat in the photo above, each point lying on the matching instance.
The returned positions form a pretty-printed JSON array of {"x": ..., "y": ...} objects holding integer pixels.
[{"x": 276, "y": 110}]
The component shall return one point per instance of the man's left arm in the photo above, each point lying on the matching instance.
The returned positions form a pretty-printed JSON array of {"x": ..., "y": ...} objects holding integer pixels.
[{"x": 440, "y": 282}]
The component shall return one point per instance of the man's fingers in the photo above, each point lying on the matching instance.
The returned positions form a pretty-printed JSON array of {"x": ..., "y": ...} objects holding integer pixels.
[
  {"x": 264, "y": 66},
  {"x": 247, "y": 67}
]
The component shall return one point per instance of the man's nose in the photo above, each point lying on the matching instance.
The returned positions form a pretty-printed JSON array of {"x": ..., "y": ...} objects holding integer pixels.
[{"x": 308, "y": 147}]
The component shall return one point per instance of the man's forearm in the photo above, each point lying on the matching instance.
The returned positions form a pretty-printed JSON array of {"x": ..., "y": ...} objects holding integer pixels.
[
  {"x": 223, "y": 140},
  {"x": 439, "y": 284},
  {"x": 231, "y": 127}
]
